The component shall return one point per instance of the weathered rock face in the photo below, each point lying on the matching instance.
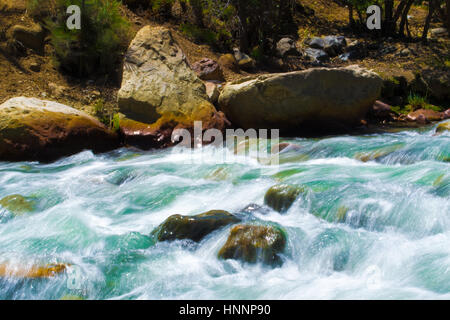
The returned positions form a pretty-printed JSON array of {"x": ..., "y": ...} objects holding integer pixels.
[
  {"x": 253, "y": 244},
  {"x": 207, "y": 69},
  {"x": 282, "y": 196},
  {"x": 33, "y": 129},
  {"x": 314, "y": 98},
  {"x": 158, "y": 87},
  {"x": 195, "y": 228}
]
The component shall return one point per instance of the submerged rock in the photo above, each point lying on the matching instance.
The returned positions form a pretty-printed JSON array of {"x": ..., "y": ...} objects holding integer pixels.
[
  {"x": 253, "y": 244},
  {"x": 445, "y": 126},
  {"x": 195, "y": 228},
  {"x": 282, "y": 196},
  {"x": 17, "y": 204},
  {"x": 33, "y": 129},
  {"x": 320, "y": 99},
  {"x": 47, "y": 271}
]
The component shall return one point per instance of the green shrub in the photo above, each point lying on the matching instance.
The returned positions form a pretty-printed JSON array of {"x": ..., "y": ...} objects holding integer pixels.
[
  {"x": 98, "y": 45},
  {"x": 199, "y": 34},
  {"x": 417, "y": 102},
  {"x": 162, "y": 7}
]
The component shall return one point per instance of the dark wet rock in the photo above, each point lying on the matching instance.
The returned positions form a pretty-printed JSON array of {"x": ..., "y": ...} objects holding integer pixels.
[
  {"x": 254, "y": 244},
  {"x": 282, "y": 196},
  {"x": 317, "y": 55},
  {"x": 195, "y": 228}
]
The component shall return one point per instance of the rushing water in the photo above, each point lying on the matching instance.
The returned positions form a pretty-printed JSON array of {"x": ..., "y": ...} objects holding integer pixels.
[{"x": 95, "y": 212}]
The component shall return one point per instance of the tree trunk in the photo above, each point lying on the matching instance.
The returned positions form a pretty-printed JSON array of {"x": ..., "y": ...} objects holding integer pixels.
[
  {"x": 389, "y": 24},
  {"x": 447, "y": 7},
  {"x": 431, "y": 6},
  {"x": 351, "y": 21},
  {"x": 243, "y": 36},
  {"x": 404, "y": 20}
]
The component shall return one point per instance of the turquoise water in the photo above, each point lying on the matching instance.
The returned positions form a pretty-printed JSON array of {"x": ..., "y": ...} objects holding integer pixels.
[{"x": 372, "y": 229}]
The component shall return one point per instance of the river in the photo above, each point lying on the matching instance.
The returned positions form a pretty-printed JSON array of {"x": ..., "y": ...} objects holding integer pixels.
[{"x": 374, "y": 222}]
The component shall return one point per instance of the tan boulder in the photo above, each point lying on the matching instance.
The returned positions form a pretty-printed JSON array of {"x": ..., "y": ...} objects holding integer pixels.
[
  {"x": 33, "y": 129},
  {"x": 158, "y": 86},
  {"x": 297, "y": 100}
]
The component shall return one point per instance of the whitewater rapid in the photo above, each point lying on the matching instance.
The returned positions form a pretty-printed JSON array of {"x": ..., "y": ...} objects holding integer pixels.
[{"x": 95, "y": 212}]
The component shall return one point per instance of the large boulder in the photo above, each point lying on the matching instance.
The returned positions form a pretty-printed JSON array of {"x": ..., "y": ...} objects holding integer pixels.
[
  {"x": 158, "y": 87},
  {"x": 297, "y": 100},
  {"x": 253, "y": 244},
  {"x": 195, "y": 228},
  {"x": 33, "y": 129}
]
